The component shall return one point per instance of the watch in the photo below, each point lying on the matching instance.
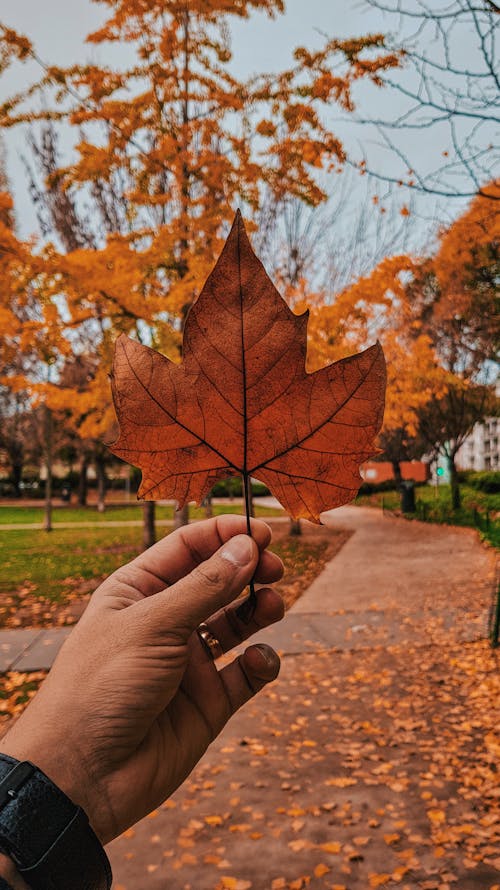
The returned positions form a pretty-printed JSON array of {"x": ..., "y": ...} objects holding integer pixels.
[{"x": 46, "y": 835}]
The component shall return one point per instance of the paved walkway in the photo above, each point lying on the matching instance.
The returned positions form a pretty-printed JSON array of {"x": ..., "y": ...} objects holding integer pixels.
[
  {"x": 331, "y": 777},
  {"x": 389, "y": 576}
]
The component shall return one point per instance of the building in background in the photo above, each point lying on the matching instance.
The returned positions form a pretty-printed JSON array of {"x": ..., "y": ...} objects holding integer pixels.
[{"x": 481, "y": 450}]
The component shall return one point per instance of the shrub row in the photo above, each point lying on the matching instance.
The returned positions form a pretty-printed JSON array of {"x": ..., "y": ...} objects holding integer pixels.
[
  {"x": 227, "y": 488},
  {"x": 486, "y": 480}
]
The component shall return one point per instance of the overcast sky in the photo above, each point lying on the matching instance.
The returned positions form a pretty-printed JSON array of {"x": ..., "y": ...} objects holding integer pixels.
[{"x": 58, "y": 28}]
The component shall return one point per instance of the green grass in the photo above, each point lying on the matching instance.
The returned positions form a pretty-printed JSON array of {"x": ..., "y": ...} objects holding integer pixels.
[
  {"x": 434, "y": 505},
  {"x": 49, "y": 563},
  {"x": 19, "y": 514}
]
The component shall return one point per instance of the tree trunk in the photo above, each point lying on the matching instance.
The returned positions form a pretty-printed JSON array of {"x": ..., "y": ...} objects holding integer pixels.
[
  {"x": 82, "y": 481},
  {"x": 295, "y": 527},
  {"x": 17, "y": 475},
  {"x": 148, "y": 524},
  {"x": 456, "y": 500},
  {"x": 101, "y": 483},
  {"x": 207, "y": 503},
  {"x": 47, "y": 517},
  {"x": 181, "y": 517},
  {"x": 396, "y": 469}
]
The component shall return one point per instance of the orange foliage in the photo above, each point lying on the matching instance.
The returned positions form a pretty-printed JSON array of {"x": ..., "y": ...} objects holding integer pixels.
[
  {"x": 378, "y": 306},
  {"x": 464, "y": 244},
  {"x": 29, "y": 316},
  {"x": 466, "y": 266},
  {"x": 186, "y": 143}
]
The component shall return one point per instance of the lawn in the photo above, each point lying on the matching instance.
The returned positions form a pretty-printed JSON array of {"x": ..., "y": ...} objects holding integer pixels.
[
  {"x": 47, "y": 579},
  {"x": 479, "y": 510},
  {"x": 42, "y": 571},
  {"x": 14, "y": 515}
]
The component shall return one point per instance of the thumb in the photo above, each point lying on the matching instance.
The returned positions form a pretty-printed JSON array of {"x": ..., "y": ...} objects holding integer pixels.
[{"x": 210, "y": 586}]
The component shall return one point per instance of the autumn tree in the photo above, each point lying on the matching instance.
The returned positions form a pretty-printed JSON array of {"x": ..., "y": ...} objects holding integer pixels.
[
  {"x": 32, "y": 340},
  {"x": 376, "y": 306},
  {"x": 414, "y": 379},
  {"x": 445, "y": 423},
  {"x": 458, "y": 288},
  {"x": 167, "y": 148},
  {"x": 456, "y": 294}
]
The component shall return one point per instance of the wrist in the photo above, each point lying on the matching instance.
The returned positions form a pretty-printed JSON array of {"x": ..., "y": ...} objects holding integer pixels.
[
  {"x": 9, "y": 871},
  {"x": 45, "y": 753},
  {"x": 48, "y": 836}
]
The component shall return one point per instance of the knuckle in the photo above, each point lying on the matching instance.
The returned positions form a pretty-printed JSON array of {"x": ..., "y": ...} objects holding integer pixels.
[{"x": 209, "y": 574}]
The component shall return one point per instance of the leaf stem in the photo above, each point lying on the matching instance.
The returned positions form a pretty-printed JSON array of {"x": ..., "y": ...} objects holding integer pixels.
[{"x": 246, "y": 611}]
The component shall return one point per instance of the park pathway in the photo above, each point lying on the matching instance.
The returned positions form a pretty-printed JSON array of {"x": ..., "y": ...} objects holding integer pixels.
[
  {"x": 331, "y": 777},
  {"x": 390, "y": 584}
]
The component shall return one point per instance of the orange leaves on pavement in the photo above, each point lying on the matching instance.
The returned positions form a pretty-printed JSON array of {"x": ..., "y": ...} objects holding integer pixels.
[
  {"x": 341, "y": 781},
  {"x": 230, "y": 883},
  {"x": 331, "y": 847},
  {"x": 437, "y": 817},
  {"x": 391, "y": 838},
  {"x": 429, "y": 695},
  {"x": 241, "y": 401},
  {"x": 321, "y": 870},
  {"x": 379, "y": 880},
  {"x": 16, "y": 690}
]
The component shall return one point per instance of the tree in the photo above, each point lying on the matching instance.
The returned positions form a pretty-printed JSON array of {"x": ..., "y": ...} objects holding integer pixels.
[
  {"x": 377, "y": 306},
  {"x": 167, "y": 149},
  {"x": 461, "y": 298},
  {"x": 13, "y": 435},
  {"x": 445, "y": 423},
  {"x": 414, "y": 379},
  {"x": 456, "y": 295},
  {"x": 32, "y": 341},
  {"x": 437, "y": 92}
]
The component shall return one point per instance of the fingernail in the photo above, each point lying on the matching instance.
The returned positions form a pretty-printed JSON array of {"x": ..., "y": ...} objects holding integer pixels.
[
  {"x": 268, "y": 654},
  {"x": 238, "y": 550}
]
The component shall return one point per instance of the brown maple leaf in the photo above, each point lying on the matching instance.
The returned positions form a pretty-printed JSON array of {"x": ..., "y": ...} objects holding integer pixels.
[{"x": 241, "y": 401}]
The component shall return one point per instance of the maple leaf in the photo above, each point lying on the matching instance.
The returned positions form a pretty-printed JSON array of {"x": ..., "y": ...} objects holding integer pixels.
[{"x": 241, "y": 401}]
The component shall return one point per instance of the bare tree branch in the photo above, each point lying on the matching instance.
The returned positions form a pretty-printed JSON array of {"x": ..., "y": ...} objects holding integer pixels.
[{"x": 454, "y": 99}]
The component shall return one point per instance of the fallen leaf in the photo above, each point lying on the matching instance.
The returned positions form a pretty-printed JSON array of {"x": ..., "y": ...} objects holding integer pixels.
[
  {"x": 437, "y": 817},
  {"x": 241, "y": 401},
  {"x": 320, "y": 870},
  {"x": 230, "y": 883},
  {"x": 213, "y": 820},
  {"x": 341, "y": 782},
  {"x": 378, "y": 880},
  {"x": 331, "y": 847},
  {"x": 391, "y": 838}
]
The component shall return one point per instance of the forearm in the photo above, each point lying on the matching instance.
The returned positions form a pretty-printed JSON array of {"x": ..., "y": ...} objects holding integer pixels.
[{"x": 9, "y": 871}]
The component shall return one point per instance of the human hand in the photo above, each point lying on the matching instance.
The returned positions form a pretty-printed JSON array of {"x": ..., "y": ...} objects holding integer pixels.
[{"x": 134, "y": 698}]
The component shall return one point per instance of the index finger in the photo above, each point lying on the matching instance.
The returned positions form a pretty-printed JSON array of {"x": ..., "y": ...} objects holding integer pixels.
[{"x": 179, "y": 553}]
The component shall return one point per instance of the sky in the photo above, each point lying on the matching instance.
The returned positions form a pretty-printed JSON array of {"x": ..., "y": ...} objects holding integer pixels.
[{"x": 58, "y": 27}]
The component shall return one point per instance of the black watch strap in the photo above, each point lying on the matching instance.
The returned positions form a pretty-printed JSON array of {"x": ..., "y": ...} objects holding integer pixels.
[{"x": 46, "y": 835}]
